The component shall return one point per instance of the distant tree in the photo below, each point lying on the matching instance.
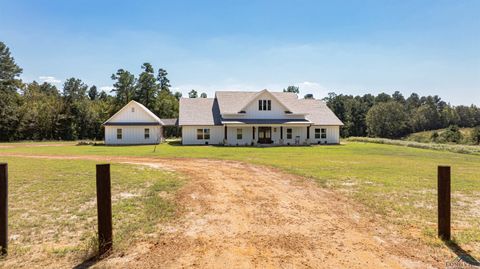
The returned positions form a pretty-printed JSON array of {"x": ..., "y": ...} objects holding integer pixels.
[
  {"x": 147, "y": 88},
  {"x": 9, "y": 97},
  {"x": 398, "y": 97},
  {"x": 475, "y": 135},
  {"x": 193, "y": 94},
  {"x": 308, "y": 96},
  {"x": 383, "y": 98},
  {"x": 386, "y": 119},
  {"x": 124, "y": 87},
  {"x": 93, "y": 93},
  {"x": 74, "y": 89},
  {"x": 203, "y": 95},
  {"x": 178, "y": 95},
  {"x": 293, "y": 89},
  {"x": 9, "y": 71},
  {"x": 163, "y": 80}
]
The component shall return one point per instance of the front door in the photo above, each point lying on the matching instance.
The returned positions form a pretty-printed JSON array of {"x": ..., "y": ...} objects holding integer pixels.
[{"x": 264, "y": 135}]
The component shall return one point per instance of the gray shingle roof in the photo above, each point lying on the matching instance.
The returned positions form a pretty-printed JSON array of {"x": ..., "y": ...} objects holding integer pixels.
[
  {"x": 199, "y": 111},
  {"x": 208, "y": 111}
]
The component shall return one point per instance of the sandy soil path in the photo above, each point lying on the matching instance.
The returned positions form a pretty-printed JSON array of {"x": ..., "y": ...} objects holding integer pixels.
[{"x": 237, "y": 215}]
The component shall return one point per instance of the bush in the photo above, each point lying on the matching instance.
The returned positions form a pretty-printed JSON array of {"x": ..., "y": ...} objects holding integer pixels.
[
  {"x": 475, "y": 135},
  {"x": 452, "y": 134}
]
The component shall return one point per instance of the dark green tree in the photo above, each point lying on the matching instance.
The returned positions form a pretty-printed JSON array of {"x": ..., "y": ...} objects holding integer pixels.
[
  {"x": 9, "y": 97},
  {"x": 386, "y": 119},
  {"x": 147, "y": 88},
  {"x": 124, "y": 87},
  {"x": 164, "y": 82},
  {"x": 93, "y": 93},
  {"x": 293, "y": 89},
  {"x": 193, "y": 94},
  {"x": 203, "y": 95}
]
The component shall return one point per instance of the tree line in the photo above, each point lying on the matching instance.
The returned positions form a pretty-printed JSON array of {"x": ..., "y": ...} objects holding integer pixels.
[
  {"x": 394, "y": 116},
  {"x": 40, "y": 111}
]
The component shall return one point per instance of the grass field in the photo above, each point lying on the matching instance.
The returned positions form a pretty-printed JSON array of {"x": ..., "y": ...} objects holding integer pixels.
[
  {"x": 52, "y": 208},
  {"x": 397, "y": 183}
]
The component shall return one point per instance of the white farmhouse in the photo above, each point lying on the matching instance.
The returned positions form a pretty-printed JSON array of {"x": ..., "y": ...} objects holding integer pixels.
[
  {"x": 250, "y": 118},
  {"x": 133, "y": 124}
]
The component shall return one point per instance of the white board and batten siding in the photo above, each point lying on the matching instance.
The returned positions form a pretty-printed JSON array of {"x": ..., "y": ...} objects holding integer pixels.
[
  {"x": 129, "y": 120},
  {"x": 132, "y": 135},
  {"x": 189, "y": 135}
]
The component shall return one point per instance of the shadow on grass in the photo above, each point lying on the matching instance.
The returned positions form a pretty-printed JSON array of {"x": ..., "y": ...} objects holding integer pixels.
[
  {"x": 87, "y": 263},
  {"x": 462, "y": 254}
]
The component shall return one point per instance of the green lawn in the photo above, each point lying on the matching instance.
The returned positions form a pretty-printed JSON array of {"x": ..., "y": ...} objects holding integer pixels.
[
  {"x": 396, "y": 182},
  {"x": 52, "y": 208}
]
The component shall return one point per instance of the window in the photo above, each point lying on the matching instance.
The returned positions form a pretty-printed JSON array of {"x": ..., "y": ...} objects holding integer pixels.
[
  {"x": 324, "y": 133},
  {"x": 119, "y": 134},
  {"x": 239, "y": 134},
  {"x": 147, "y": 133},
  {"x": 203, "y": 134},
  {"x": 264, "y": 105},
  {"x": 317, "y": 133},
  {"x": 289, "y": 133}
]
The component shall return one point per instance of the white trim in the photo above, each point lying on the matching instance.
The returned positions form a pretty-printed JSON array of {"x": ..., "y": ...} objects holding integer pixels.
[{"x": 260, "y": 93}]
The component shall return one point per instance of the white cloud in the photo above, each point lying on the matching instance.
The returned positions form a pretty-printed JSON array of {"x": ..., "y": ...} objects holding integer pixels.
[
  {"x": 49, "y": 79},
  {"x": 107, "y": 89},
  {"x": 314, "y": 88}
]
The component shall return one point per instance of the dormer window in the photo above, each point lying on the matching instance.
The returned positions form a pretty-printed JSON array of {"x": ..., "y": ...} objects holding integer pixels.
[{"x": 264, "y": 105}]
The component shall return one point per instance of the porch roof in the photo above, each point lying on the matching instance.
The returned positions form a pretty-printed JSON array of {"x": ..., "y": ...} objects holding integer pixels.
[{"x": 266, "y": 121}]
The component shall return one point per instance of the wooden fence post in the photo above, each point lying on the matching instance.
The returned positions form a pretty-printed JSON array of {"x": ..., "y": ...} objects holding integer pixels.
[
  {"x": 104, "y": 208},
  {"x": 3, "y": 208},
  {"x": 444, "y": 202}
]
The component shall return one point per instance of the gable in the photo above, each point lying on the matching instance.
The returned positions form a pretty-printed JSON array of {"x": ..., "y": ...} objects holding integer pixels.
[{"x": 134, "y": 112}]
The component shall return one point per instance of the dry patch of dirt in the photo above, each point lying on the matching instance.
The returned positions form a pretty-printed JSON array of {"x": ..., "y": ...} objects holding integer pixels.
[{"x": 237, "y": 215}]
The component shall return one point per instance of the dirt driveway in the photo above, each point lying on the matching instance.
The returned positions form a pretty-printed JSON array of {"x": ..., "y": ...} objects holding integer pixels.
[{"x": 237, "y": 215}]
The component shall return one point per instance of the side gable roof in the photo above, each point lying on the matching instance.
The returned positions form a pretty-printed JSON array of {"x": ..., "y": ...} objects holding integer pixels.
[{"x": 138, "y": 105}]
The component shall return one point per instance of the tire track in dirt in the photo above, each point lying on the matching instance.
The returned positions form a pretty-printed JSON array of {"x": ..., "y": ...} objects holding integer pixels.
[{"x": 238, "y": 215}]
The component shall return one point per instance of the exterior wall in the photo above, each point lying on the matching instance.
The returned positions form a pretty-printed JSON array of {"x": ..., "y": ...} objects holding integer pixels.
[
  {"x": 189, "y": 135},
  {"x": 333, "y": 135},
  {"x": 247, "y": 135},
  {"x": 139, "y": 115},
  {"x": 132, "y": 135},
  {"x": 300, "y": 132}
]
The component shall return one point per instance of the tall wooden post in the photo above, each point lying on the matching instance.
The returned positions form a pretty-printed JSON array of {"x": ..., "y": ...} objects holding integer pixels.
[
  {"x": 444, "y": 202},
  {"x": 104, "y": 208},
  {"x": 3, "y": 208}
]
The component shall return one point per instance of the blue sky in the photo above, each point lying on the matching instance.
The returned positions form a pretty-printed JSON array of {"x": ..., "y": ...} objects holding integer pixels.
[{"x": 353, "y": 47}]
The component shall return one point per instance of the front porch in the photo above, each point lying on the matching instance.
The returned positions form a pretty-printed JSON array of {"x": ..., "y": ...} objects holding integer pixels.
[{"x": 264, "y": 134}]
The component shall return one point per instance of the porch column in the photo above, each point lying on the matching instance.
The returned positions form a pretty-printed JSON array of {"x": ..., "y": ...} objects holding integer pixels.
[
  {"x": 308, "y": 132},
  {"x": 225, "y": 133},
  {"x": 281, "y": 132},
  {"x": 253, "y": 134}
]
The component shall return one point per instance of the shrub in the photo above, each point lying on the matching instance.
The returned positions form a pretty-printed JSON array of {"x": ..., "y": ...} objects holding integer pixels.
[
  {"x": 475, "y": 135},
  {"x": 452, "y": 134}
]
